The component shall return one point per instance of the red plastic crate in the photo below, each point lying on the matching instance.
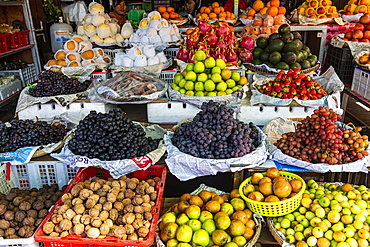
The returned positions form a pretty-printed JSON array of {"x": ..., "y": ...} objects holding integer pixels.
[
  {"x": 19, "y": 39},
  {"x": 77, "y": 241},
  {"x": 4, "y": 42}
]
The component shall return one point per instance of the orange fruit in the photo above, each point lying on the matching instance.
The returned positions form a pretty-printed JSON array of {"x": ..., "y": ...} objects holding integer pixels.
[
  {"x": 258, "y": 23},
  {"x": 274, "y": 3},
  {"x": 189, "y": 31},
  {"x": 268, "y": 4},
  {"x": 273, "y": 11},
  {"x": 207, "y": 10},
  {"x": 263, "y": 11},
  {"x": 258, "y": 5},
  {"x": 251, "y": 12},
  {"x": 223, "y": 15},
  {"x": 204, "y": 16},
  {"x": 174, "y": 15},
  {"x": 222, "y": 9},
  {"x": 249, "y": 233},
  {"x": 228, "y": 14},
  {"x": 215, "y": 4},
  {"x": 241, "y": 16},
  {"x": 217, "y": 10},
  {"x": 170, "y": 9},
  {"x": 162, "y": 9},
  {"x": 166, "y": 15},
  {"x": 212, "y": 15},
  {"x": 250, "y": 224},
  {"x": 202, "y": 9},
  {"x": 282, "y": 11}
]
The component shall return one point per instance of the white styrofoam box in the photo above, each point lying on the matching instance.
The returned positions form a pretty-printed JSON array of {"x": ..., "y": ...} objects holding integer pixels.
[
  {"x": 170, "y": 112},
  {"x": 33, "y": 175},
  {"x": 261, "y": 115},
  {"x": 26, "y": 75},
  {"x": 361, "y": 83},
  {"x": 10, "y": 88},
  {"x": 73, "y": 112},
  {"x": 102, "y": 76}
]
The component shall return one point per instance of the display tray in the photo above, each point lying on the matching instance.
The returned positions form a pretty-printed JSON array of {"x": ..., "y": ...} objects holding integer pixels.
[{"x": 267, "y": 72}]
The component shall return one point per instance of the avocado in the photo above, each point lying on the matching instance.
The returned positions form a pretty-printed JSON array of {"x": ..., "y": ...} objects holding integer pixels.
[
  {"x": 276, "y": 45},
  {"x": 307, "y": 49},
  {"x": 292, "y": 46},
  {"x": 298, "y": 43},
  {"x": 271, "y": 65},
  {"x": 275, "y": 57},
  {"x": 305, "y": 64},
  {"x": 274, "y": 36},
  {"x": 287, "y": 37},
  {"x": 262, "y": 42},
  {"x": 295, "y": 65},
  {"x": 299, "y": 56},
  {"x": 314, "y": 57},
  {"x": 305, "y": 54},
  {"x": 297, "y": 35},
  {"x": 285, "y": 28},
  {"x": 312, "y": 61},
  {"x": 268, "y": 49},
  {"x": 290, "y": 57},
  {"x": 257, "y": 52},
  {"x": 264, "y": 56},
  {"x": 256, "y": 61},
  {"x": 282, "y": 65}
]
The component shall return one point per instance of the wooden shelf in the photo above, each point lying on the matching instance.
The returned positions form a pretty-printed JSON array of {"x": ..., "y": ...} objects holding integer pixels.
[
  {"x": 11, "y": 3},
  {"x": 13, "y": 51}
]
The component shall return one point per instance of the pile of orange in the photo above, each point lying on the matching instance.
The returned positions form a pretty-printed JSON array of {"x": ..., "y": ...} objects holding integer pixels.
[
  {"x": 169, "y": 13},
  {"x": 215, "y": 12},
  {"x": 272, "y": 8},
  {"x": 263, "y": 26}
]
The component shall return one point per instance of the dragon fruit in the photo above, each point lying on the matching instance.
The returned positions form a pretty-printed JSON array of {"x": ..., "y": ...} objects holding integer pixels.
[{"x": 245, "y": 55}]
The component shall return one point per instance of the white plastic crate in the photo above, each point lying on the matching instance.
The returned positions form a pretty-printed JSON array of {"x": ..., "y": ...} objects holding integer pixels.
[
  {"x": 33, "y": 175},
  {"x": 10, "y": 88},
  {"x": 361, "y": 83},
  {"x": 26, "y": 75},
  {"x": 171, "y": 52},
  {"x": 74, "y": 112},
  {"x": 168, "y": 75},
  {"x": 101, "y": 76},
  {"x": 170, "y": 112},
  {"x": 261, "y": 115},
  {"x": 112, "y": 52}
]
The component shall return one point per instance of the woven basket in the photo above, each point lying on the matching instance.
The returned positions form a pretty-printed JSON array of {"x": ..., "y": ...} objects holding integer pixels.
[
  {"x": 273, "y": 231},
  {"x": 179, "y": 22},
  {"x": 267, "y": 72}
]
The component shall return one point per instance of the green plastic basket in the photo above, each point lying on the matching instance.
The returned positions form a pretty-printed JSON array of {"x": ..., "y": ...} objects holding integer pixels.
[{"x": 274, "y": 209}]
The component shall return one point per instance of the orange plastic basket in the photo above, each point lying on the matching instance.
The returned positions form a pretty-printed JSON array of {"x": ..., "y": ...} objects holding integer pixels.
[
  {"x": 78, "y": 241},
  {"x": 4, "y": 42}
]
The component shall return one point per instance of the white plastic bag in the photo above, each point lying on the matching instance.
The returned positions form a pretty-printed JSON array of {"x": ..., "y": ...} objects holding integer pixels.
[{"x": 76, "y": 11}]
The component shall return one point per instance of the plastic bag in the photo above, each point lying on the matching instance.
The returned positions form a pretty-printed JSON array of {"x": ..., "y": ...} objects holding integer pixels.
[
  {"x": 76, "y": 11},
  {"x": 128, "y": 87}
]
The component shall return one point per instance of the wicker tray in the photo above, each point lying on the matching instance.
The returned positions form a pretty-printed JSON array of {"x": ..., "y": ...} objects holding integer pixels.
[
  {"x": 178, "y": 22},
  {"x": 273, "y": 231},
  {"x": 267, "y": 72}
]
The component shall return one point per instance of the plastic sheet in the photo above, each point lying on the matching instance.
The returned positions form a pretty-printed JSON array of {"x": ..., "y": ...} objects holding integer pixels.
[
  {"x": 117, "y": 168},
  {"x": 355, "y": 47},
  {"x": 330, "y": 81},
  {"x": 186, "y": 167},
  {"x": 128, "y": 87}
]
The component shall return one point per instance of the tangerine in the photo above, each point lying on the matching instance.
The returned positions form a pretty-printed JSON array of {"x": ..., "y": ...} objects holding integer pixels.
[
  {"x": 251, "y": 12},
  {"x": 272, "y": 172},
  {"x": 250, "y": 224},
  {"x": 282, "y": 10},
  {"x": 202, "y": 9},
  {"x": 162, "y": 9},
  {"x": 213, "y": 206},
  {"x": 273, "y": 11},
  {"x": 249, "y": 233},
  {"x": 204, "y": 16},
  {"x": 223, "y": 15},
  {"x": 217, "y": 10},
  {"x": 296, "y": 185},
  {"x": 212, "y": 15},
  {"x": 215, "y": 4},
  {"x": 207, "y": 10},
  {"x": 274, "y": 3},
  {"x": 263, "y": 11},
  {"x": 174, "y": 15},
  {"x": 282, "y": 189},
  {"x": 170, "y": 9},
  {"x": 258, "y": 5}
]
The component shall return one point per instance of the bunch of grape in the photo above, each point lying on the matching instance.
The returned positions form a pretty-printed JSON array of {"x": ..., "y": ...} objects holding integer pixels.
[
  {"x": 215, "y": 134},
  {"x": 26, "y": 133},
  {"x": 52, "y": 83},
  {"x": 110, "y": 136},
  {"x": 318, "y": 139}
]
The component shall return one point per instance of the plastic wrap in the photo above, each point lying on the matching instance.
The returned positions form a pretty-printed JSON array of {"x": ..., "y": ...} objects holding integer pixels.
[
  {"x": 186, "y": 167},
  {"x": 354, "y": 46},
  {"x": 330, "y": 81},
  {"x": 117, "y": 168},
  {"x": 360, "y": 54},
  {"x": 279, "y": 126},
  {"x": 128, "y": 87}
]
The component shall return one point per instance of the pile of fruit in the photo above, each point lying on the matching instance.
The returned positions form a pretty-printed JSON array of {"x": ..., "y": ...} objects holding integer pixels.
[
  {"x": 169, "y": 13},
  {"x": 318, "y": 139},
  {"x": 110, "y": 136},
  {"x": 272, "y": 9},
  {"x": 207, "y": 77},
  {"x": 53, "y": 83},
  {"x": 215, "y": 12},
  {"x": 214, "y": 133},
  {"x": 318, "y": 9},
  {"x": 104, "y": 208},
  {"x": 364, "y": 59},
  {"x": 329, "y": 215},
  {"x": 293, "y": 85},
  {"x": 27, "y": 133},
  {"x": 22, "y": 211},
  {"x": 263, "y": 26},
  {"x": 208, "y": 219},
  {"x": 271, "y": 188},
  {"x": 361, "y": 31},
  {"x": 216, "y": 40},
  {"x": 13, "y": 65},
  {"x": 355, "y": 7},
  {"x": 283, "y": 50}
]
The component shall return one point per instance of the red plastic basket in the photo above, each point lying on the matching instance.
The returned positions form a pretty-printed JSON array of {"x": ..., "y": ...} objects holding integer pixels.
[
  {"x": 77, "y": 241},
  {"x": 4, "y": 42},
  {"x": 19, "y": 39}
]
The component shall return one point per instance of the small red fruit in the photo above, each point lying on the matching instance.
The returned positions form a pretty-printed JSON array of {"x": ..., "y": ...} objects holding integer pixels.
[{"x": 359, "y": 26}]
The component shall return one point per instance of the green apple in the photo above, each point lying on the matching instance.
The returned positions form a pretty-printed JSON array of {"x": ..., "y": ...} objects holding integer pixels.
[
  {"x": 221, "y": 86},
  {"x": 184, "y": 233},
  {"x": 285, "y": 223},
  {"x": 317, "y": 232},
  {"x": 309, "y": 215},
  {"x": 230, "y": 83},
  {"x": 178, "y": 77},
  {"x": 200, "y": 55},
  {"x": 307, "y": 232},
  {"x": 290, "y": 231},
  {"x": 229, "y": 91},
  {"x": 216, "y": 70},
  {"x": 361, "y": 203},
  {"x": 311, "y": 241},
  {"x": 315, "y": 221},
  {"x": 201, "y": 237},
  {"x": 277, "y": 225},
  {"x": 182, "y": 83},
  {"x": 189, "y": 67},
  {"x": 235, "y": 76},
  {"x": 182, "y": 91},
  {"x": 220, "y": 63},
  {"x": 199, "y": 67},
  {"x": 299, "y": 228},
  {"x": 211, "y": 94},
  {"x": 324, "y": 202},
  {"x": 299, "y": 236},
  {"x": 216, "y": 77},
  {"x": 305, "y": 222},
  {"x": 349, "y": 232},
  {"x": 328, "y": 234},
  {"x": 337, "y": 227},
  {"x": 191, "y": 76},
  {"x": 209, "y": 86},
  {"x": 205, "y": 215},
  {"x": 290, "y": 239},
  {"x": 199, "y": 93},
  {"x": 358, "y": 224},
  {"x": 194, "y": 224},
  {"x": 199, "y": 86},
  {"x": 189, "y": 85},
  {"x": 202, "y": 77},
  {"x": 351, "y": 242},
  {"x": 302, "y": 210},
  {"x": 290, "y": 217},
  {"x": 210, "y": 62},
  {"x": 355, "y": 209},
  {"x": 360, "y": 217},
  {"x": 320, "y": 212}
]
